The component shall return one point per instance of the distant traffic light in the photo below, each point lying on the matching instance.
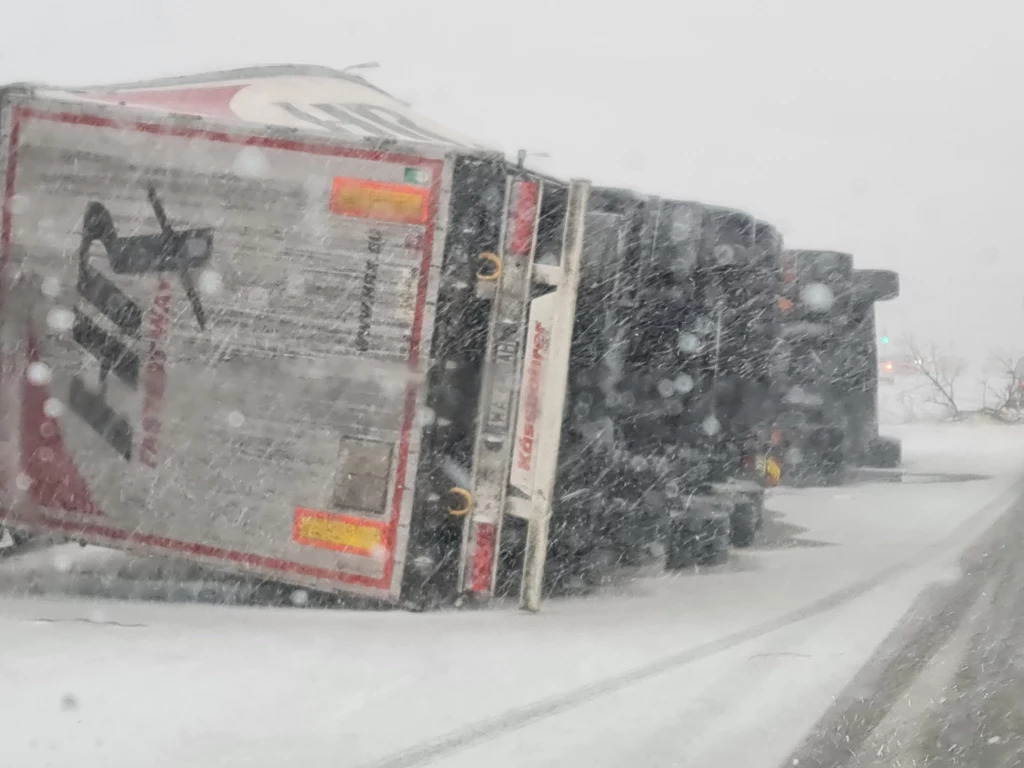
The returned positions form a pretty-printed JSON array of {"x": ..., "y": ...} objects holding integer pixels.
[{"x": 885, "y": 339}]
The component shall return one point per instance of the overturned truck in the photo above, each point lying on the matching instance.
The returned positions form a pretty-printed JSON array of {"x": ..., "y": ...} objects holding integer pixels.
[{"x": 273, "y": 321}]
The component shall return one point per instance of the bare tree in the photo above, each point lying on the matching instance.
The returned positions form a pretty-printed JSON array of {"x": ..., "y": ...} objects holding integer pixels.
[
  {"x": 1008, "y": 391},
  {"x": 941, "y": 372}
]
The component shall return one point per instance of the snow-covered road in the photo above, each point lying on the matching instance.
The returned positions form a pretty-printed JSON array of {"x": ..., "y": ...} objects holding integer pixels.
[{"x": 730, "y": 666}]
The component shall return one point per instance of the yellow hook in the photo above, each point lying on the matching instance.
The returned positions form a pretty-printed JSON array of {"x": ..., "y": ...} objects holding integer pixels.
[
  {"x": 494, "y": 259},
  {"x": 466, "y": 497}
]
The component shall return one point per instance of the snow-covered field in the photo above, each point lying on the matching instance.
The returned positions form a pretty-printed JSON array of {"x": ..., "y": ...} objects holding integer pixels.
[{"x": 728, "y": 666}]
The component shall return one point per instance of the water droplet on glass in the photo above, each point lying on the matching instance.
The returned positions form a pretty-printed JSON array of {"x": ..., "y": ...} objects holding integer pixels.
[
  {"x": 68, "y": 702},
  {"x": 710, "y": 425},
  {"x": 794, "y": 456},
  {"x": 817, "y": 296},
  {"x": 684, "y": 383},
  {"x": 53, "y": 407},
  {"x": 60, "y": 319},
  {"x": 688, "y": 343},
  {"x": 50, "y": 287},
  {"x": 45, "y": 454},
  {"x": 299, "y": 597},
  {"x": 236, "y": 419},
  {"x": 62, "y": 562},
  {"x": 22, "y": 482},
  {"x": 427, "y": 416},
  {"x": 39, "y": 374},
  {"x": 210, "y": 282},
  {"x": 251, "y": 163},
  {"x": 666, "y": 388}
]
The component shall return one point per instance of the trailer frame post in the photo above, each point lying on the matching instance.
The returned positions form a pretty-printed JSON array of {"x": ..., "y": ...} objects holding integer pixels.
[{"x": 552, "y": 404}]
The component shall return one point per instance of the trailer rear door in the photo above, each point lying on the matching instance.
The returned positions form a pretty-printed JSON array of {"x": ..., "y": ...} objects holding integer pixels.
[{"x": 214, "y": 342}]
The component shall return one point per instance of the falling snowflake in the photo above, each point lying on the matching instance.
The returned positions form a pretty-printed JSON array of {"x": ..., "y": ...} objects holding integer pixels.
[
  {"x": 817, "y": 296},
  {"x": 53, "y": 407},
  {"x": 251, "y": 163},
  {"x": 39, "y": 374},
  {"x": 50, "y": 287},
  {"x": 210, "y": 282},
  {"x": 60, "y": 319},
  {"x": 688, "y": 343},
  {"x": 684, "y": 383}
]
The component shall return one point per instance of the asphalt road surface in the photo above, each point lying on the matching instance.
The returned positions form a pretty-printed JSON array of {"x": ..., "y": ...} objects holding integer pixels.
[{"x": 946, "y": 688}]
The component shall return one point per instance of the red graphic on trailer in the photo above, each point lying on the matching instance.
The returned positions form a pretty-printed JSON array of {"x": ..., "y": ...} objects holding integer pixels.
[
  {"x": 212, "y": 101},
  {"x": 55, "y": 480}
]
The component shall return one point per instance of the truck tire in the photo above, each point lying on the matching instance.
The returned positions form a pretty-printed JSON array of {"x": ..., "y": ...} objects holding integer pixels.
[
  {"x": 876, "y": 284},
  {"x": 745, "y": 523},
  {"x": 683, "y": 547},
  {"x": 884, "y": 453},
  {"x": 704, "y": 544}
]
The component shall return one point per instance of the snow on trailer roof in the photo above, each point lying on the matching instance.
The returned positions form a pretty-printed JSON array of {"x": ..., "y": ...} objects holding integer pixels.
[{"x": 309, "y": 98}]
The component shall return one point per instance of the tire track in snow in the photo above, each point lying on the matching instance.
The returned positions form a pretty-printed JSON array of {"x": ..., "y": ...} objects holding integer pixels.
[{"x": 521, "y": 717}]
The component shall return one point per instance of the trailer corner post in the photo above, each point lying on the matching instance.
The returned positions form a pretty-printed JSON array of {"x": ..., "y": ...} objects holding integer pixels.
[{"x": 552, "y": 403}]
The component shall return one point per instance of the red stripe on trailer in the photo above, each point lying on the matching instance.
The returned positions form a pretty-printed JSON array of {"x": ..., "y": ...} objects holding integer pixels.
[
  {"x": 6, "y": 227},
  {"x": 213, "y": 101},
  {"x": 524, "y": 218},
  {"x": 56, "y": 481},
  {"x": 112, "y": 535},
  {"x": 120, "y": 536},
  {"x": 8, "y": 420},
  {"x": 483, "y": 557}
]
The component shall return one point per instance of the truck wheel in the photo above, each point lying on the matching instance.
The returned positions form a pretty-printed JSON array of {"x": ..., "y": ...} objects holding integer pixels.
[
  {"x": 717, "y": 538},
  {"x": 884, "y": 453},
  {"x": 683, "y": 548},
  {"x": 745, "y": 523},
  {"x": 714, "y": 556}
]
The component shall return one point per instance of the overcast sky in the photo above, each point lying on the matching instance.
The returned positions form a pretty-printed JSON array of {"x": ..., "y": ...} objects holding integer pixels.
[{"x": 893, "y": 129}]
